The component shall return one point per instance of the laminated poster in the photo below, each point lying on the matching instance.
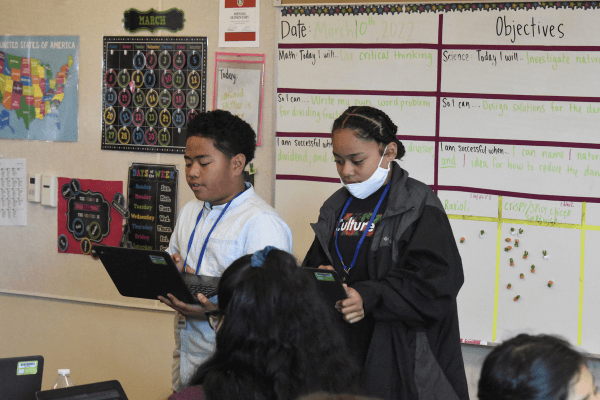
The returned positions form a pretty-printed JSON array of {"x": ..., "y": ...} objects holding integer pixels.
[
  {"x": 86, "y": 215},
  {"x": 38, "y": 87},
  {"x": 152, "y": 88},
  {"x": 152, "y": 204}
]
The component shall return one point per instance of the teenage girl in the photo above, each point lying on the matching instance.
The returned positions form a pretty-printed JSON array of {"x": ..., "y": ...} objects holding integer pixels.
[{"x": 388, "y": 237}]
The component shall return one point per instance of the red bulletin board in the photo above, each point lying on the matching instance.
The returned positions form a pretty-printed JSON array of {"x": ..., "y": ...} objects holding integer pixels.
[{"x": 86, "y": 216}]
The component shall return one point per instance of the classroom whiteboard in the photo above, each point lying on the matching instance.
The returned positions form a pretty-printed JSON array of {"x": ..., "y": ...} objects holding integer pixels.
[{"x": 498, "y": 106}]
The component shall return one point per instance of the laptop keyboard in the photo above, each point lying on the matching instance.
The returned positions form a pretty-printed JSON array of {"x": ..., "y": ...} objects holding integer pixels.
[{"x": 204, "y": 289}]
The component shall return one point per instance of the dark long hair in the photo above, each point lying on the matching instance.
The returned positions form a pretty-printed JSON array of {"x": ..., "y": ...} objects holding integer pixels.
[
  {"x": 277, "y": 341},
  {"x": 530, "y": 368},
  {"x": 370, "y": 124}
]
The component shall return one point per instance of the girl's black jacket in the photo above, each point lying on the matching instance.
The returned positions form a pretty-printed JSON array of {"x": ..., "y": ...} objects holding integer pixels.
[{"x": 415, "y": 273}]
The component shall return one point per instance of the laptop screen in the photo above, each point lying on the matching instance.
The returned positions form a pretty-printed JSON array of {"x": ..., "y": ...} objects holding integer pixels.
[
  {"x": 105, "y": 395},
  {"x": 20, "y": 377},
  {"x": 109, "y": 390}
]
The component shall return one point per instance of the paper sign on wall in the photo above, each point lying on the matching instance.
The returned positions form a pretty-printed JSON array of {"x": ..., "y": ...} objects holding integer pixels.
[
  {"x": 13, "y": 204},
  {"x": 238, "y": 23}
]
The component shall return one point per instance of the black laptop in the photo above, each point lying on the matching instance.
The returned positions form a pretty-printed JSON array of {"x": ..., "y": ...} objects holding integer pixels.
[
  {"x": 147, "y": 274},
  {"x": 109, "y": 390},
  {"x": 20, "y": 377},
  {"x": 329, "y": 284}
]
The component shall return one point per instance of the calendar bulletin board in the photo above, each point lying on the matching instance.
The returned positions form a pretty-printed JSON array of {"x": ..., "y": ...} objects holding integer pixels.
[{"x": 151, "y": 88}]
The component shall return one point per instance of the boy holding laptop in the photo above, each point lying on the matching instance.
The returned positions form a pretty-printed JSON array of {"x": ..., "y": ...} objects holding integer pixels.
[{"x": 226, "y": 221}]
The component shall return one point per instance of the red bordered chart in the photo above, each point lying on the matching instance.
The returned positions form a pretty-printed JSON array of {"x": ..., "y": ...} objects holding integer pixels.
[{"x": 151, "y": 88}]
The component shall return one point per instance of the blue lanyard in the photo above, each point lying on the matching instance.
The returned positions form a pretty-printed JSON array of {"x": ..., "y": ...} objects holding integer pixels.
[
  {"x": 364, "y": 235},
  {"x": 207, "y": 237}
]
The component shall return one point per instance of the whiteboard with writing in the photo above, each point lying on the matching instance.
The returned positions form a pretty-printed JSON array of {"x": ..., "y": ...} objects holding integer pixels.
[
  {"x": 498, "y": 107},
  {"x": 239, "y": 92}
]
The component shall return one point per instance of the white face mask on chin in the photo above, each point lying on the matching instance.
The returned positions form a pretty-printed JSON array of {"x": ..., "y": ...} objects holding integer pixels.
[{"x": 364, "y": 189}]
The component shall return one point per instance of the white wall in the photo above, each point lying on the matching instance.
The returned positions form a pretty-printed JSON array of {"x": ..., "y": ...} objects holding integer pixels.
[{"x": 98, "y": 342}]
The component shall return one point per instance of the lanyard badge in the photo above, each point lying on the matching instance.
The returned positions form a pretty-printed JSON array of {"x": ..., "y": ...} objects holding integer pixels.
[{"x": 362, "y": 238}]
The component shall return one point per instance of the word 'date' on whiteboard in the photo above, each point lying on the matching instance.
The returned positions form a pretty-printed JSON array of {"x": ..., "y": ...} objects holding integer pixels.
[{"x": 498, "y": 107}]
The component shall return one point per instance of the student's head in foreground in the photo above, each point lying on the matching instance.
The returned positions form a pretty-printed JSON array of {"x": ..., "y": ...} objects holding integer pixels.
[
  {"x": 218, "y": 147},
  {"x": 275, "y": 338},
  {"x": 536, "y": 368}
]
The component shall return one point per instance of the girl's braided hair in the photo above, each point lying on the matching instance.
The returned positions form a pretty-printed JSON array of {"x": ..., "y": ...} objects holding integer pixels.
[{"x": 370, "y": 124}]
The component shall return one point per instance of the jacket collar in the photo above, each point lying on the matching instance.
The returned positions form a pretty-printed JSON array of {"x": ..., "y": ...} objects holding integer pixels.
[
  {"x": 398, "y": 192},
  {"x": 400, "y": 203}
]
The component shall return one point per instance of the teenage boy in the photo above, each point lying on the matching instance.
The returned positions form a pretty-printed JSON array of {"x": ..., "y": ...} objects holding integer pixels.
[{"x": 226, "y": 221}]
